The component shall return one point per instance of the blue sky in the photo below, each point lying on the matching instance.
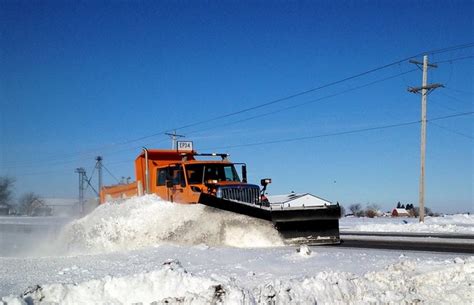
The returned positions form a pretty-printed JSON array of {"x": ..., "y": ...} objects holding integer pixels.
[{"x": 80, "y": 79}]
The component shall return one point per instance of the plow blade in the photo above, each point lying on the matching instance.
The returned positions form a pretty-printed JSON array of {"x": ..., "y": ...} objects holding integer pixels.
[
  {"x": 308, "y": 225},
  {"x": 297, "y": 225}
]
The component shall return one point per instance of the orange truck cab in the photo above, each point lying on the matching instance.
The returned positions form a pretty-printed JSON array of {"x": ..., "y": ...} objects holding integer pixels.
[{"x": 178, "y": 177}]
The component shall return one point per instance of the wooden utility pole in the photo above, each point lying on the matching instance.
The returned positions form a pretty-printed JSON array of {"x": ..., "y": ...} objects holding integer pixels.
[
  {"x": 425, "y": 89},
  {"x": 174, "y": 138}
]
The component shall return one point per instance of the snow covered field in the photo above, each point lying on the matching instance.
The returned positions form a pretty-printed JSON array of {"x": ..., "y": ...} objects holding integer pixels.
[
  {"x": 150, "y": 251},
  {"x": 460, "y": 223}
]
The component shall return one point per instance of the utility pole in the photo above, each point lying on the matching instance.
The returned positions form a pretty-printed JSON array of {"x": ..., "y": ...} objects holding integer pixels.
[
  {"x": 174, "y": 138},
  {"x": 82, "y": 177},
  {"x": 425, "y": 90},
  {"x": 98, "y": 165}
]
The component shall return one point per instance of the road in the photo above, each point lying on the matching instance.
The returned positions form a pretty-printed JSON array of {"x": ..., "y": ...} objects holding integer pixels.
[{"x": 453, "y": 243}]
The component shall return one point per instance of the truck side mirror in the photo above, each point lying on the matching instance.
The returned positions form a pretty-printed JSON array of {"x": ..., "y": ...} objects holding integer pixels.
[
  {"x": 169, "y": 183},
  {"x": 265, "y": 182},
  {"x": 244, "y": 173}
]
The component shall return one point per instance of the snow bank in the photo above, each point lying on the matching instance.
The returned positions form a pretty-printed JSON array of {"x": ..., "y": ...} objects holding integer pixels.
[
  {"x": 170, "y": 284},
  {"x": 460, "y": 223},
  {"x": 148, "y": 221},
  {"x": 407, "y": 282}
]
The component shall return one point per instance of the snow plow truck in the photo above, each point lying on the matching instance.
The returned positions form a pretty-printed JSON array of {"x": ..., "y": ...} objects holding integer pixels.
[{"x": 187, "y": 177}]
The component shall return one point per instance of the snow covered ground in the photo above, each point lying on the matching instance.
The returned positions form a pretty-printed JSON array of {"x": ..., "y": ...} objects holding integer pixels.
[
  {"x": 148, "y": 251},
  {"x": 460, "y": 223}
]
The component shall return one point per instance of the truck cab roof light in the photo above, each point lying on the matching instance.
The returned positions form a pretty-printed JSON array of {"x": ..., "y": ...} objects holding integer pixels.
[{"x": 223, "y": 156}]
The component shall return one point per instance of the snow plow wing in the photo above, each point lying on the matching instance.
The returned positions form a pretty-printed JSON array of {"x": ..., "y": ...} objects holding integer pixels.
[{"x": 299, "y": 218}]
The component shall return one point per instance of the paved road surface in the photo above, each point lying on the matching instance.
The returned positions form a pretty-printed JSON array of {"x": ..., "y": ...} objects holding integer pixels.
[{"x": 454, "y": 243}]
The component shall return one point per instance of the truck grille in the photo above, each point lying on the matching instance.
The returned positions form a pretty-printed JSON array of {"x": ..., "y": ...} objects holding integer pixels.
[{"x": 249, "y": 194}]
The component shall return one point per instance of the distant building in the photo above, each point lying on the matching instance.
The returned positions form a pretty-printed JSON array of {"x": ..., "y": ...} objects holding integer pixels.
[
  {"x": 38, "y": 208},
  {"x": 63, "y": 206},
  {"x": 6, "y": 209},
  {"x": 399, "y": 212}
]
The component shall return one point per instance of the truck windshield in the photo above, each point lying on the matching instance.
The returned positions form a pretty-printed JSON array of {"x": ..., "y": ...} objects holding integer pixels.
[{"x": 199, "y": 173}]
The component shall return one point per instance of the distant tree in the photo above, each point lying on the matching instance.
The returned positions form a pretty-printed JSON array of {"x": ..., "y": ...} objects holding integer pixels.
[
  {"x": 399, "y": 205},
  {"x": 428, "y": 212},
  {"x": 372, "y": 210},
  {"x": 6, "y": 189},
  {"x": 32, "y": 205},
  {"x": 356, "y": 209}
]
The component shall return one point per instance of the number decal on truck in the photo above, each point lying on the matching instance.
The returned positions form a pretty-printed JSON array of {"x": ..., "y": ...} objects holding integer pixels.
[{"x": 185, "y": 145}]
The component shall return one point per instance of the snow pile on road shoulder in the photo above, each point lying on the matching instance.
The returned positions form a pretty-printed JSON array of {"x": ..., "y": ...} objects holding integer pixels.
[
  {"x": 407, "y": 282},
  {"x": 148, "y": 221},
  {"x": 460, "y": 223}
]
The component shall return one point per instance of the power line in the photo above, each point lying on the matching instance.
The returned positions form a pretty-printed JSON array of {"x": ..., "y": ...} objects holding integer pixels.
[
  {"x": 272, "y": 102},
  {"x": 449, "y": 49},
  {"x": 112, "y": 175},
  {"x": 324, "y": 135},
  {"x": 258, "y": 116},
  {"x": 454, "y": 98},
  {"x": 458, "y": 90},
  {"x": 452, "y": 130},
  {"x": 301, "y": 138},
  {"x": 343, "y": 132},
  {"x": 55, "y": 162},
  {"x": 69, "y": 160},
  {"x": 443, "y": 50},
  {"x": 286, "y": 98},
  {"x": 451, "y": 116},
  {"x": 454, "y": 59},
  {"x": 436, "y": 51}
]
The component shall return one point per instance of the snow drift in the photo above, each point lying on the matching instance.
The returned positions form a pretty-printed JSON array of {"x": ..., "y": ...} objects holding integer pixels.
[
  {"x": 149, "y": 221},
  {"x": 406, "y": 282}
]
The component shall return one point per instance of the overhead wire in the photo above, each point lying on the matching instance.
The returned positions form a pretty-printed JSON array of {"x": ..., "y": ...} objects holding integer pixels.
[
  {"x": 343, "y": 132},
  {"x": 54, "y": 162},
  {"x": 258, "y": 116},
  {"x": 451, "y": 116},
  {"x": 92, "y": 174},
  {"x": 272, "y": 102},
  {"x": 450, "y": 60},
  {"x": 451, "y": 130},
  {"x": 112, "y": 175},
  {"x": 289, "y": 97},
  {"x": 453, "y": 98},
  {"x": 458, "y": 90},
  {"x": 354, "y": 131}
]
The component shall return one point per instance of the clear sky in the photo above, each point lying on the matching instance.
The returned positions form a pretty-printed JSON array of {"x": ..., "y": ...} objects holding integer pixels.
[{"x": 85, "y": 79}]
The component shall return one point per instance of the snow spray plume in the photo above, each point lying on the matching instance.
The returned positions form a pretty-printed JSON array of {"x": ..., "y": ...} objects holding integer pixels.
[{"x": 148, "y": 220}]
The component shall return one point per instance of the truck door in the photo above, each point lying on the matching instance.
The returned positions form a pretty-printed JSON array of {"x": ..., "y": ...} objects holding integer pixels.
[
  {"x": 176, "y": 184},
  {"x": 162, "y": 176}
]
